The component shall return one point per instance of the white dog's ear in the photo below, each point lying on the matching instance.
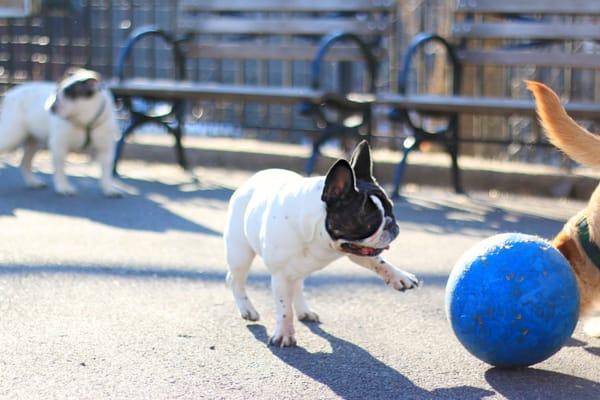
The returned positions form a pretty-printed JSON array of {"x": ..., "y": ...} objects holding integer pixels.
[
  {"x": 339, "y": 182},
  {"x": 361, "y": 161},
  {"x": 70, "y": 72}
]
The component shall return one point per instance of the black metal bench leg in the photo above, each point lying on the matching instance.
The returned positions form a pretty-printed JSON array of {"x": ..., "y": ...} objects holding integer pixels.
[
  {"x": 399, "y": 172},
  {"x": 452, "y": 146},
  {"x": 178, "y": 134},
  {"x": 326, "y": 135},
  {"x": 312, "y": 160},
  {"x": 121, "y": 143},
  {"x": 456, "y": 178},
  {"x": 180, "y": 153}
]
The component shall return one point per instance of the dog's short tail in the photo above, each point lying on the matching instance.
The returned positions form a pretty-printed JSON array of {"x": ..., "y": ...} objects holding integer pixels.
[{"x": 563, "y": 132}]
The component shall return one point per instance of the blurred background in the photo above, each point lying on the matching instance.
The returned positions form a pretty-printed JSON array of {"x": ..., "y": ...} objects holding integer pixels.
[{"x": 91, "y": 33}]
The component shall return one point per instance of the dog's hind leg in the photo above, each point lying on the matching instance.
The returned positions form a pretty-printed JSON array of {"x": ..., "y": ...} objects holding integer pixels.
[
  {"x": 13, "y": 132},
  {"x": 239, "y": 255},
  {"x": 239, "y": 259},
  {"x": 30, "y": 147}
]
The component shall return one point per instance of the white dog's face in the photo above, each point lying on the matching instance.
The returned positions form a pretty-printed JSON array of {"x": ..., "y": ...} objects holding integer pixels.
[{"x": 78, "y": 91}]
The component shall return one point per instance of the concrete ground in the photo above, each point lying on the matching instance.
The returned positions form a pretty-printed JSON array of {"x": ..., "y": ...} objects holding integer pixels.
[{"x": 124, "y": 298}]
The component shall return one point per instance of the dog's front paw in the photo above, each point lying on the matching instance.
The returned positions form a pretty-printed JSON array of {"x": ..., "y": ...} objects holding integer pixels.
[
  {"x": 402, "y": 281},
  {"x": 308, "y": 316},
  {"x": 33, "y": 182},
  {"x": 249, "y": 313},
  {"x": 65, "y": 189},
  {"x": 282, "y": 341},
  {"x": 113, "y": 189},
  {"x": 283, "y": 337}
]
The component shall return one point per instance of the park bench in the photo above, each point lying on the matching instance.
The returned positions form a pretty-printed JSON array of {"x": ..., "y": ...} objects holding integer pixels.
[
  {"x": 347, "y": 32},
  {"x": 543, "y": 34}
]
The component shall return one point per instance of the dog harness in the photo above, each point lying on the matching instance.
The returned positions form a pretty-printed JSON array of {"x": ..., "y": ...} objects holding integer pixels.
[
  {"x": 90, "y": 126},
  {"x": 591, "y": 249}
]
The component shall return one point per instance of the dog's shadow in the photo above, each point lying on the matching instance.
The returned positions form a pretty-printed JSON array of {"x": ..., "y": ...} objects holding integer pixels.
[
  {"x": 353, "y": 373},
  {"x": 594, "y": 350},
  {"x": 141, "y": 211}
]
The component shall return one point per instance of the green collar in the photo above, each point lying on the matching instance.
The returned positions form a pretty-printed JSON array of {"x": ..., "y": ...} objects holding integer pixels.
[{"x": 591, "y": 249}]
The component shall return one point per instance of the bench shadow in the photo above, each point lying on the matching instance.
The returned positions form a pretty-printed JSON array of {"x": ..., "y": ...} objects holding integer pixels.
[
  {"x": 471, "y": 216},
  {"x": 135, "y": 212},
  {"x": 531, "y": 383},
  {"x": 353, "y": 373}
]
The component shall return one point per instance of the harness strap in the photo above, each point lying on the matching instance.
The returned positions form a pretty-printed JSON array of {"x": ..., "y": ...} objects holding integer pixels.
[
  {"x": 591, "y": 249},
  {"x": 89, "y": 127}
]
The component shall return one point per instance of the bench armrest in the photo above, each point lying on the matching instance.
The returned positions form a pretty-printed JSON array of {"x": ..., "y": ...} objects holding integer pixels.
[
  {"x": 420, "y": 40},
  {"x": 140, "y": 33},
  {"x": 329, "y": 41}
]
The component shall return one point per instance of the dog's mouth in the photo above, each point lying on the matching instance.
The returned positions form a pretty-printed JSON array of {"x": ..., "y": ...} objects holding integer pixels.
[{"x": 363, "y": 251}]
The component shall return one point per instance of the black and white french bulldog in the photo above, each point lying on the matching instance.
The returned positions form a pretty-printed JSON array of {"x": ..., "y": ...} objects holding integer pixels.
[
  {"x": 299, "y": 225},
  {"x": 72, "y": 114}
]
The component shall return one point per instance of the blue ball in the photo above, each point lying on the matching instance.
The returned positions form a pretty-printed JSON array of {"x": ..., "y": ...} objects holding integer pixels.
[{"x": 512, "y": 300}]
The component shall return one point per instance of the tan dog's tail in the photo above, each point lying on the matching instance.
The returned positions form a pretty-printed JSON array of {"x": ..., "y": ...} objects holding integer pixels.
[{"x": 563, "y": 132}]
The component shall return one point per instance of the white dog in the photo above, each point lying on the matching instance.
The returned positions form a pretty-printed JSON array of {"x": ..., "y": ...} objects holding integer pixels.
[
  {"x": 74, "y": 114},
  {"x": 299, "y": 225}
]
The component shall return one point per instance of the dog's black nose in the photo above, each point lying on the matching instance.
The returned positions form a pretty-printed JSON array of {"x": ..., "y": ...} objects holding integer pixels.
[{"x": 392, "y": 226}]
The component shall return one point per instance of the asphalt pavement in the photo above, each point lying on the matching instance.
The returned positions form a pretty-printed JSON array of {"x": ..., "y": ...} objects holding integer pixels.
[{"x": 125, "y": 298}]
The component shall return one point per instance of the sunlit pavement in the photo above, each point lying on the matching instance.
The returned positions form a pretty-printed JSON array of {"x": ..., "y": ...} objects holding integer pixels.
[{"x": 125, "y": 298}]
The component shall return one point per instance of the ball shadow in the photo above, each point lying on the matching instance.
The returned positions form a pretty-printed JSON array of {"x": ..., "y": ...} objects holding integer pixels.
[{"x": 531, "y": 383}]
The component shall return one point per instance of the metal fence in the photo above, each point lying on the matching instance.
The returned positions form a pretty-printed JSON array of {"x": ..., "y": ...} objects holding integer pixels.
[{"x": 91, "y": 32}]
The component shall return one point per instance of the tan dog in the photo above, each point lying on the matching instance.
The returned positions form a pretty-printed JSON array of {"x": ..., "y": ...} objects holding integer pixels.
[{"x": 579, "y": 241}]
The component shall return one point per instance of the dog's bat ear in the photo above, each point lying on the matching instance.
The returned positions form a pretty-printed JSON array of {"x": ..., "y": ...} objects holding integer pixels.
[
  {"x": 362, "y": 162},
  {"x": 339, "y": 182},
  {"x": 69, "y": 73},
  {"x": 85, "y": 74}
]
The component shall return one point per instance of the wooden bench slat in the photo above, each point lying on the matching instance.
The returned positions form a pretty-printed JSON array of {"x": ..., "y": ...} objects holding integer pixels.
[
  {"x": 524, "y": 30},
  {"x": 262, "y": 51},
  {"x": 485, "y": 105},
  {"x": 278, "y": 26},
  {"x": 521, "y": 57},
  {"x": 575, "y": 7},
  {"x": 170, "y": 90},
  {"x": 285, "y": 5}
]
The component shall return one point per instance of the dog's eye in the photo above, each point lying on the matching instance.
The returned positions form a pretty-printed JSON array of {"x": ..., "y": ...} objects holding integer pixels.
[{"x": 69, "y": 92}]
